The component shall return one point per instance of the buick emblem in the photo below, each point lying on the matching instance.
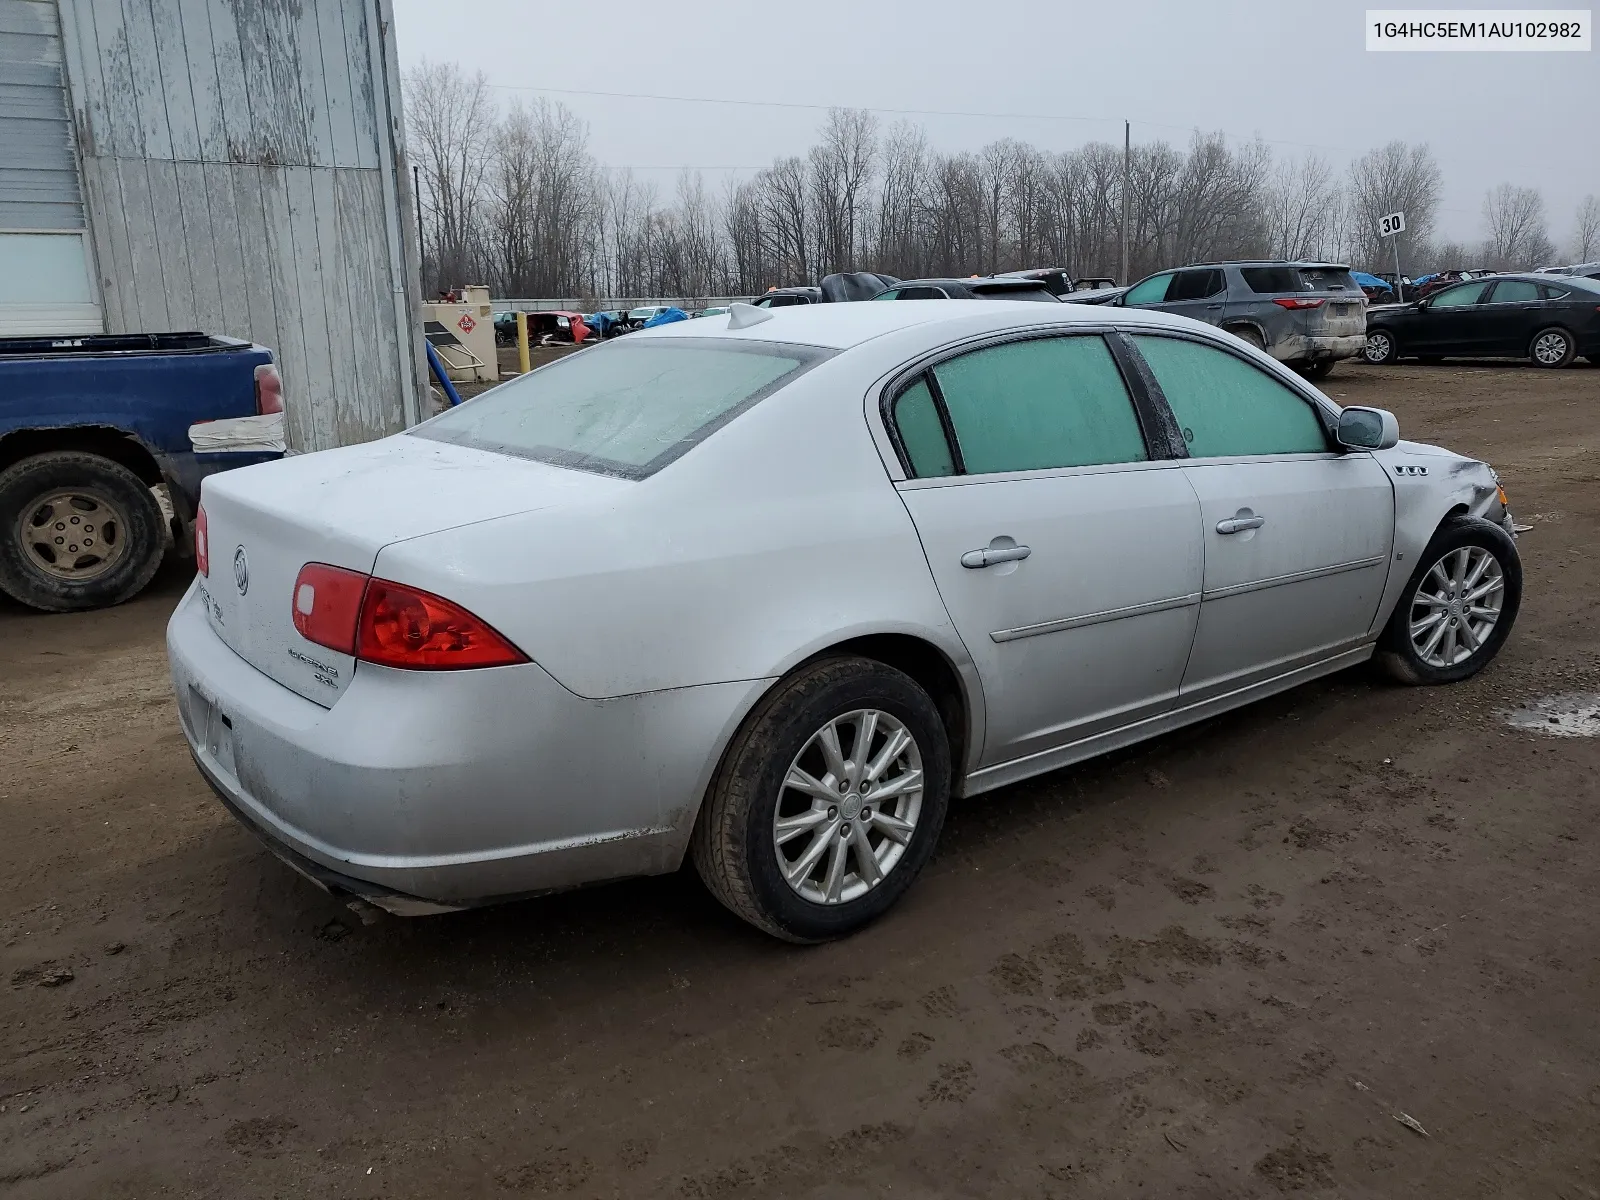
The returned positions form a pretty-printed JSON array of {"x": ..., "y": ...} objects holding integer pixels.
[{"x": 241, "y": 571}]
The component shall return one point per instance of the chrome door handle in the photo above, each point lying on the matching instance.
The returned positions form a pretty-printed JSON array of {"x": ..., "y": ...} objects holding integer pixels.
[
  {"x": 987, "y": 557},
  {"x": 1240, "y": 524}
]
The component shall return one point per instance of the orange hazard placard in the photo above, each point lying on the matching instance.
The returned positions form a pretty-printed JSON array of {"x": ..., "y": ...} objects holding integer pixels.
[{"x": 466, "y": 324}]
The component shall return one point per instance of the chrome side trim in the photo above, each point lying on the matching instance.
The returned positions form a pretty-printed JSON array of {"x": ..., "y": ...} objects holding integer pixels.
[
  {"x": 1018, "y": 769},
  {"x": 1096, "y": 618},
  {"x": 1239, "y": 589}
]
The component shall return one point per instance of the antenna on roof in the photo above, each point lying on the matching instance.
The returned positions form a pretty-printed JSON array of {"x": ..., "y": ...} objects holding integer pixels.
[{"x": 742, "y": 316}]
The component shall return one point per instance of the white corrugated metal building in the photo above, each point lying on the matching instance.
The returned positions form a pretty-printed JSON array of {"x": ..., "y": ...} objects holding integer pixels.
[{"x": 232, "y": 166}]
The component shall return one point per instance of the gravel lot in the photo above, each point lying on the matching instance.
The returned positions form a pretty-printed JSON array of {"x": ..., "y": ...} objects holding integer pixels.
[{"x": 1342, "y": 943}]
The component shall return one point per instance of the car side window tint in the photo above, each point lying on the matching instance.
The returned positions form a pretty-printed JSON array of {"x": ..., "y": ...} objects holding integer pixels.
[
  {"x": 1226, "y": 406},
  {"x": 1195, "y": 285},
  {"x": 921, "y": 432},
  {"x": 1046, "y": 402},
  {"x": 922, "y": 293},
  {"x": 1514, "y": 291},
  {"x": 1149, "y": 291},
  {"x": 891, "y": 294},
  {"x": 1466, "y": 293}
]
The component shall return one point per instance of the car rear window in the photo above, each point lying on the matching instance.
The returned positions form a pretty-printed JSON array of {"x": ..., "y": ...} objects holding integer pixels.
[
  {"x": 1326, "y": 279},
  {"x": 628, "y": 408},
  {"x": 993, "y": 292}
]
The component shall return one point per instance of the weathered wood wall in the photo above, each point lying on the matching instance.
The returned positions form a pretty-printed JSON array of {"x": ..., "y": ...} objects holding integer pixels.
[{"x": 243, "y": 164}]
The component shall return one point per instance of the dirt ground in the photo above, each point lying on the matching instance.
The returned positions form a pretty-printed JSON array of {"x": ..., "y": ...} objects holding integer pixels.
[{"x": 1342, "y": 943}]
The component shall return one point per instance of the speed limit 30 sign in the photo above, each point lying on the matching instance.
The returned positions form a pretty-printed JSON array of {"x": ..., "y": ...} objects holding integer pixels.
[{"x": 1392, "y": 224}]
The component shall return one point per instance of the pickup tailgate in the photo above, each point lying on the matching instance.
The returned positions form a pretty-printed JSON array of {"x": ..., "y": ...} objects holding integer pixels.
[{"x": 341, "y": 507}]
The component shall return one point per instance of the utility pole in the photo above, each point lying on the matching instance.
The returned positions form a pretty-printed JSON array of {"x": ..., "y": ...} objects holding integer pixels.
[
  {"x": 1127, "y": 157},
  {"x": 416, "y": 194}
]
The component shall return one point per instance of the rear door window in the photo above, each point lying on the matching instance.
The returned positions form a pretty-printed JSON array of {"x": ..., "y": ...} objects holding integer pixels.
[
  {"x": 916, "y": 416},
  {"x": 1195, "y": 285},
  {"x": 1515, "y": 291},
  {"x": 923, "y": 293},
  {"x": 1225, "y": 406},
  {"x": 1041, "y": 403},
  {"x": 1149, "y": 291}
]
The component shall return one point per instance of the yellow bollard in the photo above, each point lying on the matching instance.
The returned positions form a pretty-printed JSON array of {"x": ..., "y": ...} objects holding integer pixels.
[{"x": 522, "y": 341}]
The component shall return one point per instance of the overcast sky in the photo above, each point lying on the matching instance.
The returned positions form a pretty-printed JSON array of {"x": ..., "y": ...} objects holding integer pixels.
[{"x": 1294, "y": 72}]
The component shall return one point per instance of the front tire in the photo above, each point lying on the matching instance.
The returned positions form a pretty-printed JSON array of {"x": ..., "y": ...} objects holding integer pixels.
[
  {"x": 1458, "y": 607},
  {"x": 828, "y": 801},
  {"x": 1382, "y": 348},
  {"x": 1553, "y": 347},
  {"x": 77, "y": 531}
]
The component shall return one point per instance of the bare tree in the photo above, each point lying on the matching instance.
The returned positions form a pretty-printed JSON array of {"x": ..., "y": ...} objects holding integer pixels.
[
  {"x": 1588, "y": 233},
  {"x": 842, "y": 165},
  {"x": 450, "y": 126},
  {"x": 1516, "y": 224},
  {"x": 1393, "y": 178},
  {"x": 1303, "y": 201}
]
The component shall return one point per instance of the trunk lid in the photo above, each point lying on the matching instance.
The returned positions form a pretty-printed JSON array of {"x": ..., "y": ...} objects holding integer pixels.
[{"x": 341, "y": 507}]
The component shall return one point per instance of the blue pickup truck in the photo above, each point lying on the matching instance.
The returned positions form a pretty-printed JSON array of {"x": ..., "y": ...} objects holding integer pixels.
[{"x": 94, "y": 431}]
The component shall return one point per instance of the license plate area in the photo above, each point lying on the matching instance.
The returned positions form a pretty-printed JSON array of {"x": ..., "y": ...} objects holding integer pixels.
[{"x": 213, "y": 730}]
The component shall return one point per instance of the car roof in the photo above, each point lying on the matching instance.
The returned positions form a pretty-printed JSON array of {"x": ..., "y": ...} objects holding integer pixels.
[{"x": 841, "y": 326}]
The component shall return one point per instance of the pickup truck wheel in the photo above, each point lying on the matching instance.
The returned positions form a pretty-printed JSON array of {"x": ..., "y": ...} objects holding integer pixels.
[
  {"x": 1458, "y": 606},
  {"x": 77, "y": 531}
]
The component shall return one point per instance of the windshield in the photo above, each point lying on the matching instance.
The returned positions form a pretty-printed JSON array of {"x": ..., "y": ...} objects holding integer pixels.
[{"x": 628, "y": 408}]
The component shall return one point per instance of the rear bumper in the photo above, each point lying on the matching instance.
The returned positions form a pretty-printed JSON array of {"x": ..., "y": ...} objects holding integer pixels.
[
  {"x": 426, "y": 791},
  {"x": 1318, "y": 347}
]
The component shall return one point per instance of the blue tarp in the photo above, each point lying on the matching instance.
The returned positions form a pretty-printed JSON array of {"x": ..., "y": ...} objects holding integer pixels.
[
  {"x": 600, "y": 323},
  {"x": 1372, "y": 281},
  {"x": 666, "y": 318}
]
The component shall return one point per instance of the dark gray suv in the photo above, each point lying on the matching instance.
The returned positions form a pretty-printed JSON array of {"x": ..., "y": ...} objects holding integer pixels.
[{"x": 1308, "y": 315}]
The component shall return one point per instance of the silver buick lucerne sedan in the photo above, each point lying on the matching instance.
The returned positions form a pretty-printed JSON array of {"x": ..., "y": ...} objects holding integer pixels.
[{"x": 766, "y": 589}]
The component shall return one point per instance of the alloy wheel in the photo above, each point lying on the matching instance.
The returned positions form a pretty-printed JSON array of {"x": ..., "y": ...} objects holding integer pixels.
[
  {"x": 1378, "y": 347},
  {"x": 1550, "y": 348},
  {"x": 1456, "y": 606},
  {"x": 848, "y": 807}
]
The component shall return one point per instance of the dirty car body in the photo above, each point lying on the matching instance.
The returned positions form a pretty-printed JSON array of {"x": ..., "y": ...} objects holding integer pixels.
[
  {"x": 1302, "y": 313},
  {"x": 658, "y": 579}
]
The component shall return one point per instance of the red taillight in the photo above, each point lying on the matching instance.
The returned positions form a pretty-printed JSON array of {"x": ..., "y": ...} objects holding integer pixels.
[
  {"x": 202, "y": 543},
  {"x": 326, "y": 605},
  {"x": 269, "y": 390},
  {"x": 391, "y": 624},
  {"x": 405, "y": 627},
  {"x": 1300, "y": 301}
]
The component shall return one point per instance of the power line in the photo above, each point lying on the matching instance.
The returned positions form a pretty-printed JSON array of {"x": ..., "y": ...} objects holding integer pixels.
[{"x": 899, "y": 112}]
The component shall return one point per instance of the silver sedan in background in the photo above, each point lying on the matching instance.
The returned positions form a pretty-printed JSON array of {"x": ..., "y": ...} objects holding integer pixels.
[{"x": 766, "y": 589}]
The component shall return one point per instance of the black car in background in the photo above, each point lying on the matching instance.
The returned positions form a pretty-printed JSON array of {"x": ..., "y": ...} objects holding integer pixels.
[
  {"x": 997, "y": 287},
  {"x": 1549, "y": 319}
]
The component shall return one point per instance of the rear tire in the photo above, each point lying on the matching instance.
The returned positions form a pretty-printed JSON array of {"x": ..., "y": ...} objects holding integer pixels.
[
  {"x": 1320, "y": 369},
  {"x": 1465, "y": 592},
  {"x": 77, "y": 531},
  {"x": 1382, "y": 348},
  {"x": 1553, "y": 347},
  {"x": 736, "y": 846},
  {"x": 1247, "y": 334}
]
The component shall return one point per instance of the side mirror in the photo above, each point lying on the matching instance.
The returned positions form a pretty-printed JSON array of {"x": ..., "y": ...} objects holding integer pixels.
[{"x": 1367, "y": 429}]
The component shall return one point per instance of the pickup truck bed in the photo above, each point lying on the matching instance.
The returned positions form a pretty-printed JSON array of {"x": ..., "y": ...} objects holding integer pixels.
[{"x": 91, "y": 427}]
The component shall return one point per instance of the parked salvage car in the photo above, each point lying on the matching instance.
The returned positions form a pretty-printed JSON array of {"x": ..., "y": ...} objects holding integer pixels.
[
  {"x": 1057, "y": 280},
  {"x": 1309, "y": 315},
  {"x": 1548, "y": 319},
  {"x": 788, "y": 297},
  {"x": 90, "y": 425},
  {"x": 786, "y": 582},
  {"x": 638, "y": 316},
  {"x": 994, "y": 287}
]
